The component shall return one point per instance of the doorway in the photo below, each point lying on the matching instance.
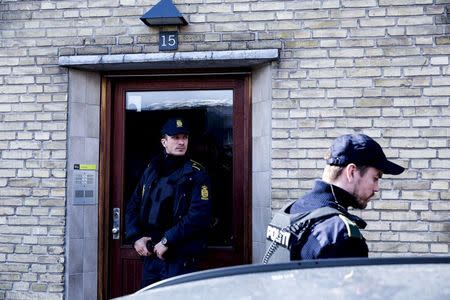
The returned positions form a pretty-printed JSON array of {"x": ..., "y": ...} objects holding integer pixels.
[{"x": 218, "y": 111}]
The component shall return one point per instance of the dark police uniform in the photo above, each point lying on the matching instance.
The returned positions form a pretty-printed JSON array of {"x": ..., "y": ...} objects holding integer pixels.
[
  {"x": 337, "y": 236},
  {"x": 171, "y": 202}
]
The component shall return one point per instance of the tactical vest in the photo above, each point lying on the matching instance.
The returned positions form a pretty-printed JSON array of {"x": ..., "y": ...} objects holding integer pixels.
[{"x": 290, "y": 230}]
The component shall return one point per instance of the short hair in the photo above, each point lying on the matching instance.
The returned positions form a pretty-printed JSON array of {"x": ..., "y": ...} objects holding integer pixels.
[{"x": 331, "y": 173}]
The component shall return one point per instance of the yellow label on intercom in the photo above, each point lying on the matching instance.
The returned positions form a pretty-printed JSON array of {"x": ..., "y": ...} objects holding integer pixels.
[{"x": 89, "y": 167}]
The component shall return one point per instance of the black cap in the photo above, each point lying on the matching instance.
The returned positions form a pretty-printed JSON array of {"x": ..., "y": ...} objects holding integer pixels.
[
  {"x": 175, "y": 126},
  {"x": 361, "y": 150}
]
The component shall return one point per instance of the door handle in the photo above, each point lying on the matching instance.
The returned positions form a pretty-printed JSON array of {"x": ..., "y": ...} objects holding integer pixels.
[{"x": 116, "y": 223}]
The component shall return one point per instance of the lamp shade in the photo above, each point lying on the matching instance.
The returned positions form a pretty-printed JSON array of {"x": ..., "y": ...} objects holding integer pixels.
[{"x": 163, "y": 13}]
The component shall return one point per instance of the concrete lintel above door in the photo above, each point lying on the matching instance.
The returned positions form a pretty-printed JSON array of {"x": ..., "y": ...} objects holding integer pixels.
[{"x": 173, "y": 60}]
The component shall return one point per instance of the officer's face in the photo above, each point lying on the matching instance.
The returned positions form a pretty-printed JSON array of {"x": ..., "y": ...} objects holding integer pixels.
[
  {"x": 175, "y": 144},
  {"x": 366, "y": 185}
]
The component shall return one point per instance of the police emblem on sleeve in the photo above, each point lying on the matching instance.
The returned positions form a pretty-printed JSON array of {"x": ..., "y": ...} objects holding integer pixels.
[{"x": 204, "y": 194}]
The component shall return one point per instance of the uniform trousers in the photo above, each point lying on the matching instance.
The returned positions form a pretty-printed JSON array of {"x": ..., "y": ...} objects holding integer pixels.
[{"x": 156, "y": 269}]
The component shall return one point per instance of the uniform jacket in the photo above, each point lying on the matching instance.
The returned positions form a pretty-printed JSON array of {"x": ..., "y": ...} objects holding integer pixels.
[
  {"x": 336, "y": 236},
  {"x": 189, "y": 188}
]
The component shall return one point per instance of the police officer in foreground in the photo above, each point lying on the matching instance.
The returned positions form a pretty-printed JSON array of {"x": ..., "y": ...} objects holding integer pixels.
[
  {"x": 168, "y": 216},
  {"x": 355, "y": 164}
]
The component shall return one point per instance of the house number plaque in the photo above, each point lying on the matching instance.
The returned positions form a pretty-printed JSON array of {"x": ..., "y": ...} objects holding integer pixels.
[{"x": 168, "y": 40}]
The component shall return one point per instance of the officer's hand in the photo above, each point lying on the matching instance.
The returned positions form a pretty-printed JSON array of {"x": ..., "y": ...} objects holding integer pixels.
[
  {"x": 159, "y": 250},
  {"x": 141, "y": 246}
]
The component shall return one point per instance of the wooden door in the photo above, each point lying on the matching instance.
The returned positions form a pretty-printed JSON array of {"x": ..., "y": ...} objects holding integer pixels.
[{"x": 218, "y": 111}]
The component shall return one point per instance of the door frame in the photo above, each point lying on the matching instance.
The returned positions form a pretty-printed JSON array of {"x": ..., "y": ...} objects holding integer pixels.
[{"x": 104, "y": 224}]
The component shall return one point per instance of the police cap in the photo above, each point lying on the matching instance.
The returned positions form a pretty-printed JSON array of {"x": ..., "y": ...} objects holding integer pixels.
[
  {"x": 175, "y": 126},
  {"x": 361, "y": 150}
]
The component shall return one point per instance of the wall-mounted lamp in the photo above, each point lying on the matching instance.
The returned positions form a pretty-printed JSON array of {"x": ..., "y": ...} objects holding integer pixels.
[{"x": 163, "y": 13}]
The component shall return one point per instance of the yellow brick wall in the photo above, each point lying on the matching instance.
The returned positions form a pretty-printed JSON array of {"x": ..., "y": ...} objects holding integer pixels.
[{"x": 378, "y": 67}]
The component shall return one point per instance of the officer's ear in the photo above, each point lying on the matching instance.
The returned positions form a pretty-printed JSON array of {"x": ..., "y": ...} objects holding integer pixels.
[
  {"x": 163, "y": 141},
  {"x": 350, "y": 171}
]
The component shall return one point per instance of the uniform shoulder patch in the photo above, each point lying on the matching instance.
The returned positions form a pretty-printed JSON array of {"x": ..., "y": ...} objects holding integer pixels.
[
  {"x": 352, "y": 229},
  {"x": 204, "y": 193},
  {"x": 196, "y": 165}
]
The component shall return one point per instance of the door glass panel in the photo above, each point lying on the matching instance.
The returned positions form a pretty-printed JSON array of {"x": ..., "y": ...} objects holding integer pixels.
[
  {"x": 154, "y": 100},
  {"x": 209, "y": 114}
]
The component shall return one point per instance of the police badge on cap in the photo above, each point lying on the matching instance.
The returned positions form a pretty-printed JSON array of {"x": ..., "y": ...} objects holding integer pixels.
[{"x": 175, "y": 126}]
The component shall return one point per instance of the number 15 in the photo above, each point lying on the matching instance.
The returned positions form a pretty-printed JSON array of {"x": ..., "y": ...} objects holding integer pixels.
[{"x": 171, "y": 41}]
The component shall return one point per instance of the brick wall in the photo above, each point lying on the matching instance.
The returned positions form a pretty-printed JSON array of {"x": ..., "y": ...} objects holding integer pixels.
[{"x": 376, "y": 66}]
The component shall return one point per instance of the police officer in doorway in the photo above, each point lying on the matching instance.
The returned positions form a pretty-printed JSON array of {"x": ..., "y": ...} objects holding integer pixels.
[
  {"x": 355, "y": 164},
  {"x": 168, "y": 215}
]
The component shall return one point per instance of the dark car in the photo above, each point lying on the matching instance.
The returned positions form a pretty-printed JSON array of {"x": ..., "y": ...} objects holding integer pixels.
[{"x": 373, "y": 278}]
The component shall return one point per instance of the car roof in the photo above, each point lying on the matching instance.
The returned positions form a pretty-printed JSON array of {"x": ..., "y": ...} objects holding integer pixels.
[{"x": 369, "y": 278}]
